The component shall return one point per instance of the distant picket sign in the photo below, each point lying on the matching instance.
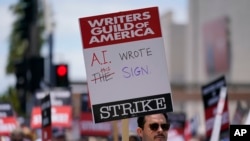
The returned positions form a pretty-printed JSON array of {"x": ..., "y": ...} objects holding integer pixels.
[
  {"x": 126, "y": 64},
  {"x": 59, "y": 97},
  {"x": 215, "y": 101},
  {"x": 61, "y": 109},
  {"x": 6, "y": 109},
  {"x": 8, "y": 120},
  {"x": 46, "y": 118}
]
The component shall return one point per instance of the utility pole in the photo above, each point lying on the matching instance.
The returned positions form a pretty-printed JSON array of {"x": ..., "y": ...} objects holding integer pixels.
[
  {"x": 29, "y": 26},
  {"x": 49, "y": 25},
  {"x": 34, "y": 36},
  {"x": 31, "y": 16}
]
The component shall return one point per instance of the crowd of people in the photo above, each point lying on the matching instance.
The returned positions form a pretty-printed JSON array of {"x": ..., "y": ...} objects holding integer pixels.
[
  {"x": 150, "y": 128},
  {"x": 26, "y": 134},
  {"x": 22, "y": 134}
]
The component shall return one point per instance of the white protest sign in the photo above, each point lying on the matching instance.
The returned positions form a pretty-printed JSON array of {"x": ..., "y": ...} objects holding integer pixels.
[
  {"x": 218, "y": 117},
  {"x": 248, "y": 118},
  {"x": 126, "y": 64}
]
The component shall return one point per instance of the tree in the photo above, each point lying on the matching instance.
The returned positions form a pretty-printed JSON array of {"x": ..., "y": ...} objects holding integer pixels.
[
  {"x": 26, "y": 29},
  {"x": 25, "y": 41},
  {"x": 11, "y": 97}
]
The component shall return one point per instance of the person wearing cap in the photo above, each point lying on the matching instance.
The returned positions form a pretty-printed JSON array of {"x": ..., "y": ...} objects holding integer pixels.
[{"x": 153, "y": 127}]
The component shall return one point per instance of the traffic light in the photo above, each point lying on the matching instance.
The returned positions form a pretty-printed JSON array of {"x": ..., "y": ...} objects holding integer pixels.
[
  {"x": 29, "y": 73},
  {"x": 36, "y": 68},
  {"x": 21, "y": 75},
  {"x": 61, "y": 75}
]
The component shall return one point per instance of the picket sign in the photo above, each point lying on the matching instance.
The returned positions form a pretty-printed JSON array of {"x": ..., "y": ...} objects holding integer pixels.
[
  {"x": 218, "y": 116},
  {"x": 121, "y": 69}
]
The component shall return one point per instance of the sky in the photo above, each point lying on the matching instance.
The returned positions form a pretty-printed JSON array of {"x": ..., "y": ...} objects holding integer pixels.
[{"x": 67, "y": 47}]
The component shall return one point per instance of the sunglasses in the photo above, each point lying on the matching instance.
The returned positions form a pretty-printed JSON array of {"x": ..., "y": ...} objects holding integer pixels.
[{"x": 155, "y": 126}]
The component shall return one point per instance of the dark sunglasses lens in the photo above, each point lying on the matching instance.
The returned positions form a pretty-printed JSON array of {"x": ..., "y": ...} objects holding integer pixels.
[
  {"x": 154, "y": 126},
  {"x": 165, "y": 127}
]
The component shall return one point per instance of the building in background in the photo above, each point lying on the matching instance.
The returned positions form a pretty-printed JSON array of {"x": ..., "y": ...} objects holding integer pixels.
[
  {"x": 203, "y": 12},
  {"x": 214, "y": 42}
]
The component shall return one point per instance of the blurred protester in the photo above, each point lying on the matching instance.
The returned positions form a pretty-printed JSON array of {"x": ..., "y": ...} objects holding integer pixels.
[
  {"x": 133, "y": 138},
  {"x": 4, "y": 138},
  {"x": 17, "y": 135},
  {"x": 28, "y": 134},
  {"x": 58, "y": 134},
  {"x": 83, "y": 139}
]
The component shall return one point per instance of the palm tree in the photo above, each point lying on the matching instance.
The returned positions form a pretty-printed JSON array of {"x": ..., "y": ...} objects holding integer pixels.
[
  {"x": 27, "y": 30},
  {"x": 25, "y": 41}
]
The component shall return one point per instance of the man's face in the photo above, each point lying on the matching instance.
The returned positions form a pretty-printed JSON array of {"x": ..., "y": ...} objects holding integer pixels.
[{"x": 150, "y": 132}]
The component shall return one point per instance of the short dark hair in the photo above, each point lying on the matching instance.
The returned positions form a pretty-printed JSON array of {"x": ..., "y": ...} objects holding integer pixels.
[{"x": 141, "y": 120}]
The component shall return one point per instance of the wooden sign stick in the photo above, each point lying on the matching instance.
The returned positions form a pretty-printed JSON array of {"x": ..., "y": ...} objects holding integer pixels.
[{"x": 125, "y": 129}]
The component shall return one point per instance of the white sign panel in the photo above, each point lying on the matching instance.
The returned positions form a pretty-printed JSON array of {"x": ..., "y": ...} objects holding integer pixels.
[{"x": 125, "y": 64}]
